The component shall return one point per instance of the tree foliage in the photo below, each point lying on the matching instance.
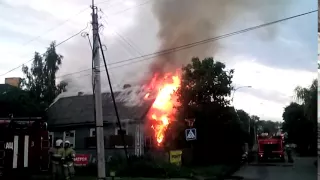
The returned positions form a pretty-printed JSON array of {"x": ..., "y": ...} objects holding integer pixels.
[
  {"x": 15, "y": 101},
  {"x": 204, "y": 82},
  {"x": 308, "y": 98},
  {"x": 300, "y": 120},
  {"x": 244, "y": 119},
  {"x": 40, "y": 78},
  {"x": 267, "y": 126},
  {"x": 203, "y": 95},
  {"x": 298, "y": 127}
]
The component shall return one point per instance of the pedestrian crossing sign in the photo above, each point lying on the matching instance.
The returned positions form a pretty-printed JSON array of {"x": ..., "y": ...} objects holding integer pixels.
[{"x": 191, "y": 134}]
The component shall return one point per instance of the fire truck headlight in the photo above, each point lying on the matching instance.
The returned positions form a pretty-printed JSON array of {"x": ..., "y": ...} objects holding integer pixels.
[{"x": 260, "y": 155}]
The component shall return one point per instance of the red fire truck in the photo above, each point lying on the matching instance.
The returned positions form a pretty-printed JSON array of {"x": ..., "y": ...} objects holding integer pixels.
[
  {"x": 270, "y": 147},
  {"x": 24, "y": 145}
]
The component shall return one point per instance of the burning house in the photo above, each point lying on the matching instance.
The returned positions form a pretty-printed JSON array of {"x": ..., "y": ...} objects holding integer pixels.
[
  {"x": 144, "y": 124},
  {"x": 162, "y": 111},
  {"x": 72, "y": 118}
]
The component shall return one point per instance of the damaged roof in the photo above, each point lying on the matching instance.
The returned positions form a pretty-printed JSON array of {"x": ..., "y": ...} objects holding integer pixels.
[{"x": 80, "y": 109}]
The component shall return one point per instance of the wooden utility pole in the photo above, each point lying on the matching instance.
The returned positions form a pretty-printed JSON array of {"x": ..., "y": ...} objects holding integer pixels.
[{"x": 97, "y": 95}]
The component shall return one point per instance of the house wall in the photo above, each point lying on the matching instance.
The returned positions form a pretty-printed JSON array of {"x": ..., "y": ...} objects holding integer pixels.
[
  {"x": 13, "y": 81},
  {"x": 83, "y": 132}
]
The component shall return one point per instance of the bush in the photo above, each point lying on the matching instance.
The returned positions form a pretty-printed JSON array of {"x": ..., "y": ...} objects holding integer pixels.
[{"x": 146, "y": 167}]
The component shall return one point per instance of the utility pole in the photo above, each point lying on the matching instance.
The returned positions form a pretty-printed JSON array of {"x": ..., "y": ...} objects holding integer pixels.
[{"x": 97, "y": 96}]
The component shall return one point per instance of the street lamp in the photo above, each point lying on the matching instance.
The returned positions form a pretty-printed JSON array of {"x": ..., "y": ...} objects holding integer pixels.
[
  {"x": 238, "y": 89},
  {"x": 233, "y": 105}
]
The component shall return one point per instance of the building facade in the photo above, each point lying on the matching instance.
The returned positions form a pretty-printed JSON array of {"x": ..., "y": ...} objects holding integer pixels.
[{"x": 72, "y": 118}]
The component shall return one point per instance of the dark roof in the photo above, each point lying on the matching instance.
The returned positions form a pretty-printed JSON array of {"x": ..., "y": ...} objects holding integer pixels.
[{"x": 79, "y": 110}]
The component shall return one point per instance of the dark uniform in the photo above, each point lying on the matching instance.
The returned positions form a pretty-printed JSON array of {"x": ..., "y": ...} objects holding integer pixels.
[{"x": 289, "y": 153}]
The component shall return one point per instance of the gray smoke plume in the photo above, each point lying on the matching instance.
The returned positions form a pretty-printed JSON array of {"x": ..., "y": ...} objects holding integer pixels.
[{"x": 186, "y": 21}]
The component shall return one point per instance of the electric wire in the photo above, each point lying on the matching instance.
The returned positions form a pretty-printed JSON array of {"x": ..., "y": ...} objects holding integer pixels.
[
  {"x": 55, "y": 27},
  {"x": 65, "y": 40},
  {"x": 114, "y": 100},
  {"x": 190, "y": 45},
  {"x": 83, "y": 10},
  {"x": 123, "y": 38}
]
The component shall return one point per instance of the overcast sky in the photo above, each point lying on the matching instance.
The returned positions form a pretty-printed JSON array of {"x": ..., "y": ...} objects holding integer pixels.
[{"x": 273, "y": 66}]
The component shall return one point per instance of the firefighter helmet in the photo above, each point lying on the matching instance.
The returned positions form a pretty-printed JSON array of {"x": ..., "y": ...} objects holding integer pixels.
[
  {"x": 67, "y": 142},
  {"x": 59, "y": 142}
]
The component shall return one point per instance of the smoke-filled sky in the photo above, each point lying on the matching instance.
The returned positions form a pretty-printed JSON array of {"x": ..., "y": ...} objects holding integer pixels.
[{"x": 273, "y": 60}]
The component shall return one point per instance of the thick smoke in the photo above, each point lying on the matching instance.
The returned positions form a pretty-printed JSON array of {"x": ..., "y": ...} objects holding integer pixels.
[{"x": 186, "y": 21}]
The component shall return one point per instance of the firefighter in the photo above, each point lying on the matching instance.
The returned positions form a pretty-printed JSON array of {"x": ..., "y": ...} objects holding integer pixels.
[
  {"x": 289, "y": 153},
  {"x": 68, "y": 165},
  {"x": 56, "y": 158}
]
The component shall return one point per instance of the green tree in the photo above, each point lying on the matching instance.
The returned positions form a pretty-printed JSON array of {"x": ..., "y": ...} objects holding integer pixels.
[
  {"x": 15, "y": 101},
  {"x": 244, "y": 119},
  {"x": 268, "y": 126},
  {"x": 40, "y": 79},
  {"x": 248, "y": 126},
  {"x": 203, "y": 82},
  {"x": 308, "y": 98},
  {"x": 205, "y": 86},
  {"x": 298, "y": 127}
]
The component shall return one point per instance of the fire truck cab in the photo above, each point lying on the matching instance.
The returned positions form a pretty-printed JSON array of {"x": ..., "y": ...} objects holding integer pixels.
[
  {"x": 24, "y": 145},
  {"x": 270, "y": 147}
]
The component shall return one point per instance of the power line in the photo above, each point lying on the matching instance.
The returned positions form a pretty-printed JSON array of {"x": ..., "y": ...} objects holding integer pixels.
[
  {"x": 122, "y": 37},
  {"x": 146, "y": 2},
  {"x": 55, "y": 27},
  {"x": 60, "y": 24},
  {"x": 114, "y": 101},
  {"x": 43, "y": 54},
  {"x": 187, "y": 46},
  {"x": 135, "y": 6}
]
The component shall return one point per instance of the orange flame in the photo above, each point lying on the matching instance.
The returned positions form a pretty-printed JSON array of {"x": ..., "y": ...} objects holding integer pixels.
[{"x": 162, "y": 110}]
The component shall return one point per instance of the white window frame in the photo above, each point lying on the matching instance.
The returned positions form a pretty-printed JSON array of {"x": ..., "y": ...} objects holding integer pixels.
[
  {"x": 124, "y": 126},
  {"x": 91, "y": 132},
  {"x": 52, "y": 139},
  {"x": 73, "y": 141}
]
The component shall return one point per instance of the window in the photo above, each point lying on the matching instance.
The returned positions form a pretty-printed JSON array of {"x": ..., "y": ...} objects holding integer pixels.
[
  {"x": 123, "y": 131},
  {"x": 92, "y": 132},
  {"x": 51, "y": 139},
  {"x": 70, "y": 136},
  {"x": 124, "y": 128}
]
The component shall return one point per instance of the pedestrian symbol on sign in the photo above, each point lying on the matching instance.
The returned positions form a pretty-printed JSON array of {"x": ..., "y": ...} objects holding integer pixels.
[{"x": 191, "y": 134}]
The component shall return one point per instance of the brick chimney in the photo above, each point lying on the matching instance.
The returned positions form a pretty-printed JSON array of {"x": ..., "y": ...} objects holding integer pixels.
[
  {"x": 13, "y": 81},
  {"x": 126, "y": 86}
]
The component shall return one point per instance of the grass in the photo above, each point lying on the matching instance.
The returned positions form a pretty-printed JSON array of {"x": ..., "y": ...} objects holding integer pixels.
[
  {"x": 170, "y": 172},
  {"x": 146, "y": 168}
]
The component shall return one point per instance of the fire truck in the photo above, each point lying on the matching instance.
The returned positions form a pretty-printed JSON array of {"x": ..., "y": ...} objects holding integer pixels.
[
  {"x": 24, "y": 145},
  {"x": 270, "y": 147}
]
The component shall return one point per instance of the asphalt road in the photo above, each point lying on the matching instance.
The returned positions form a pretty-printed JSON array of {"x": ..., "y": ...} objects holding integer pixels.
[{"x": 302, "y": 169}]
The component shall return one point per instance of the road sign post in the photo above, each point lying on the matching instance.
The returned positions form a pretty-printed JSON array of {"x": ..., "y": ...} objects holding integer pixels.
[{"x": 191, "y": 134}]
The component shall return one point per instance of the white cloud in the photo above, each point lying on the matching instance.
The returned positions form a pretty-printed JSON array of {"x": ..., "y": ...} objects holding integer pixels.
[
  {"x": 276, "y": 82},
  {"x": 262, "y": 77},
  {"x": 265, "y": 109},
  {"x": 281, "y": 82}
]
